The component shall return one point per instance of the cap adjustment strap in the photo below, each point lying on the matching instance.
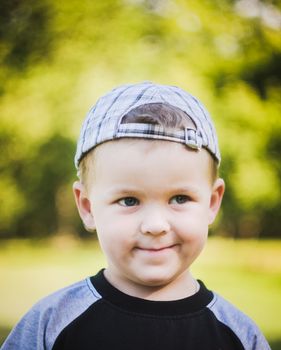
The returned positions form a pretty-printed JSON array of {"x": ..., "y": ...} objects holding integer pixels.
[{"x": 192, "y": 138}]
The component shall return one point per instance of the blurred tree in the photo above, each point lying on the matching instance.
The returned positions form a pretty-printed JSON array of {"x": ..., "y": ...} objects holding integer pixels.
[
  {"x": 271, "y": 214},
  {"x": 37, "y": 184},
  {"x": 11, "y": 164},
  {"x": 42, "y": 178},
  {"x": 25, "y": 34}
]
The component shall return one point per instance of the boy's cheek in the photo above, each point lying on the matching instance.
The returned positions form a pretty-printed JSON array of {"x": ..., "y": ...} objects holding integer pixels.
[{"x": 196, "y": 235}]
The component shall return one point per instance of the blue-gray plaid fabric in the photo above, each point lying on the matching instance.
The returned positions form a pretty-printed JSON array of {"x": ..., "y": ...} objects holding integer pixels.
[{"x": 103, "y": 122}]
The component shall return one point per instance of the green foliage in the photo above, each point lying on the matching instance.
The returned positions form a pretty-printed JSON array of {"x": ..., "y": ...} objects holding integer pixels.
[
  {"x": 42, "y": 182},
  {"x": 24, "y": 32},
  {"x": 59, "y": 56},
  {"x": 34, "y": 186}
]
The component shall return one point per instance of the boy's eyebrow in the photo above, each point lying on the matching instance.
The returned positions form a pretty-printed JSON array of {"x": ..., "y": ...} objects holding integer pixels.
[
  {"x": 172, "y": 189},
  {"x": 193, "y": 189},
  {"x": 123, "y": 190}
]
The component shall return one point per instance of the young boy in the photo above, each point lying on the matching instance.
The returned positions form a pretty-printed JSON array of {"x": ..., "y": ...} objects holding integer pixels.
[{"x": 147, "y": 162}]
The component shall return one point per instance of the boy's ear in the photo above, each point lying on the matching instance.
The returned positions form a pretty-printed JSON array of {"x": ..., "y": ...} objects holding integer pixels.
[
  {"x": 216, "y": 199},
  {"x": 83, "y": 205}
]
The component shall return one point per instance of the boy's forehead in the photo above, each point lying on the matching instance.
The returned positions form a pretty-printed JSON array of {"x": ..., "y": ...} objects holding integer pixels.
[
  {"x": 114, "y": 155},
  {"x": 126, "y": 160},
  {"x": 125, "y": 150},
  {"x": 103, "y": 122}
]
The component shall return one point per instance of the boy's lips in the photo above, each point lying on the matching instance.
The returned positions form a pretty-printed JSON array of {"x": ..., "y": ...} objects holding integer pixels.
[{"x": 157, "y": 249}]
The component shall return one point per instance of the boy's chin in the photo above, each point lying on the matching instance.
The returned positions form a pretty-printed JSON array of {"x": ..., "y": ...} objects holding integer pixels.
[
  {"x": 154, "y": 283},
  {"x": 156, "y": 279}
]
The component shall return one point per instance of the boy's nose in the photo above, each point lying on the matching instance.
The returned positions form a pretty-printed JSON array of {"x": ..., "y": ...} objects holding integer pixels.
[{"x": 155, "y": 223}]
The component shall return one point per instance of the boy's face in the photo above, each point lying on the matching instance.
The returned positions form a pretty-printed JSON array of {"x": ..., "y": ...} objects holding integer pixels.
[{"x": 151, "y": 203}]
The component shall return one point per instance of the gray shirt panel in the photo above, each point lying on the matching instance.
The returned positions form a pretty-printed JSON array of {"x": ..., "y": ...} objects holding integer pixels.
[
  {"x": 47, "y": 318},
  {"x": 245, "y": 328}
]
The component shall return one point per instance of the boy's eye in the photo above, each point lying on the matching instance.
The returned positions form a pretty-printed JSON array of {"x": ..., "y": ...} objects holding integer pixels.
[
  {"x": 128, "y": 201},
  {"x": 179, "y": 199}
]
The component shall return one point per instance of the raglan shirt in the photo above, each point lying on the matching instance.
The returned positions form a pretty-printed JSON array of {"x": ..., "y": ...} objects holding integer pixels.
[{"x": 92, "y": 314}]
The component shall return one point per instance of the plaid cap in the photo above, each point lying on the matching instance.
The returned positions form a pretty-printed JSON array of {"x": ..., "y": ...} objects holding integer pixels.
[{"x": 103, "y": 122}]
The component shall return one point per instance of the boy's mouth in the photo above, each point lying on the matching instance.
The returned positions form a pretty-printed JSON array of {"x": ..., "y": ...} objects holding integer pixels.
[{"x": 157, "y": 249}]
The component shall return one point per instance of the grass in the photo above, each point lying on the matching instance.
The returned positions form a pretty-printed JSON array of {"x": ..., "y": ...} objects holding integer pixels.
[{"x": 247, "y": 273}]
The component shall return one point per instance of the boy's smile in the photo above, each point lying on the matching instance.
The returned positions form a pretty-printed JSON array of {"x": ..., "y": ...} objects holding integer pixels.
[{"x": 151, "y": 203}]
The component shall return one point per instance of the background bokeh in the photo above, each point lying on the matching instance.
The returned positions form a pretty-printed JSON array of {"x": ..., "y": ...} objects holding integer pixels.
[{"x": 58, "y": 57}]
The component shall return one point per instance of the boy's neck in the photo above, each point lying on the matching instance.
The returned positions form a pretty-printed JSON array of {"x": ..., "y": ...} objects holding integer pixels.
[{"x": 184, "y": 286}]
